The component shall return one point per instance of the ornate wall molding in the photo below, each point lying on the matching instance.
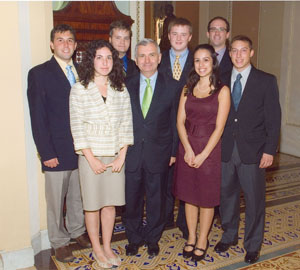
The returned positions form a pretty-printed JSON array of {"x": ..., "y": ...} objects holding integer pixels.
[{"x": 137, "y": 13}]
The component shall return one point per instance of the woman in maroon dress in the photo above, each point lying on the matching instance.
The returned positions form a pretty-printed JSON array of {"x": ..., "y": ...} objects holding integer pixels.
[{"x": 202, "y": 114}]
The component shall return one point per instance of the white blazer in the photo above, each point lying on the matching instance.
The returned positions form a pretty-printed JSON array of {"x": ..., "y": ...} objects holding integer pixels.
[{"x": 104, "y": 127}]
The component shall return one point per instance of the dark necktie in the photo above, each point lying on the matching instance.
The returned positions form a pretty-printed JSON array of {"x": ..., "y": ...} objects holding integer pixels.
[{"x": 237, "y": 91}]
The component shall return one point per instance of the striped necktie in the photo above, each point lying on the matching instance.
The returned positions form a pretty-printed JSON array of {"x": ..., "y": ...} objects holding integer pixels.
[
  {"x": 147, "y": 98},
  {"x": 70, "y": 75},
  {"x": 177, "y": 69}
]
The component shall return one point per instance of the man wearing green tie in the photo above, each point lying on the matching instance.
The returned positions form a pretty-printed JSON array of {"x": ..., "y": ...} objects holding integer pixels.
[
  {"x": 155, "y": 144},
  {"x": 48, "y": 92}
]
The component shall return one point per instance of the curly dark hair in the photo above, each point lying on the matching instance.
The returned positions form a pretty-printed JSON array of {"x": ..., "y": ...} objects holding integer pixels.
[
  {"x": 86, "y": 71},
  {"x": 214, "y": 79}
]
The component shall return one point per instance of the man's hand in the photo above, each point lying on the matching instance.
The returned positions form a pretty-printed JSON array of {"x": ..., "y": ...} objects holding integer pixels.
[
  {"x": 51, "y": 163},
  {"x": 172, "y": 161},
  {"x": 266, "y": 161}
]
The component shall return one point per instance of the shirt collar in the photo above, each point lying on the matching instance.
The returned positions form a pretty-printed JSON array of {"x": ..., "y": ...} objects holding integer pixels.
[
  {"x": 152, "y": 78},
  {"x": 63, "y": 64},
  {"x": 182, "y": 54},
  {"x": 245, "y": 73}
]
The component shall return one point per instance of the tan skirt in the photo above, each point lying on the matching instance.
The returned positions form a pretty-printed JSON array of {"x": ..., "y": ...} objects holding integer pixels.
[{"x": 99, "y": 190}]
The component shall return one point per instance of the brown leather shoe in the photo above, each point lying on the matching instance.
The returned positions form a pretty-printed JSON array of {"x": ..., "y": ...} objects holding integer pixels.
[
  {"x": 84, "y": 241},
  {"x": 64, "y": 254}
]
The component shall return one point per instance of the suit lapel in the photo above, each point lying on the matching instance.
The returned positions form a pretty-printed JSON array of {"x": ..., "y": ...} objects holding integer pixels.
[
  {"x": 59, "y": 74},
  {"x": 168, "y": 64},
  {"x": 136, "y": 95},
  {"x": 187, "y": 66},
  {"x": 250, "y": 84}
]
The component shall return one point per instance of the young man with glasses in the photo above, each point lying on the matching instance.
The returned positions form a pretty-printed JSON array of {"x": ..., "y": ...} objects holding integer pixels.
[{"x": 218, "y": 31}]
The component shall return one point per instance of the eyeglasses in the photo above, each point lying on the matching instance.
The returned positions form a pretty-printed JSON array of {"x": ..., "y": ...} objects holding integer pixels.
[{"x": 216, "y": 29}]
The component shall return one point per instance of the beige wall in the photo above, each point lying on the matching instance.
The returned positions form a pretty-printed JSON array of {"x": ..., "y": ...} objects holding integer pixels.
[
  {"x": 190, "y": 11},
  {"x": 289, "y": 80},
  {"x": 14, "y": 207},
  {"x": 270, "y": 37},
  {"x": 245, "y": 21},
  {"x": 25, "y": 28}
]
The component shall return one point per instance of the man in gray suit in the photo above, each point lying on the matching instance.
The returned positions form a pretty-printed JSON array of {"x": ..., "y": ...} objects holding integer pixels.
[
  {"x": 49, "y": 87},
  {"x": 249, "y": 143}
]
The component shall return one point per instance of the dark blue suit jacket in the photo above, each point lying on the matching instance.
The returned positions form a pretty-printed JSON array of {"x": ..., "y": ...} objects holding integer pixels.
[
  {"x": 166, "y": 68},
  {"x": 226, "y": 65},
  {"x": 132, "y": 69},
  {"x": 255, "y": 126},
  {"x": 48, "y": 98},
  {"x": 155, "y": 137}
]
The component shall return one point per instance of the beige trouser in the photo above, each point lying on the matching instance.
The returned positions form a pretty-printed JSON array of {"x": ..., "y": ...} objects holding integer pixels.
[{"x": 58, "y": 186}]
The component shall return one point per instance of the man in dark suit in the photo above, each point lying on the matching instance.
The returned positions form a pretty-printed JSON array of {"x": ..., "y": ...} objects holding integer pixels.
[
  {"x": 120, "y": 37},
  {"x": 49, "y": 86},
  {"x": 176, "y": 64},
  {"x": 155, "y": 143},
  {"x": 249, "y": 143},
  {"x": 218, "y": 32}
]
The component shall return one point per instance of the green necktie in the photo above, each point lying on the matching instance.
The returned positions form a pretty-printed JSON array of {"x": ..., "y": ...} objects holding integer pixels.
[{"x": 147, "y": 98}]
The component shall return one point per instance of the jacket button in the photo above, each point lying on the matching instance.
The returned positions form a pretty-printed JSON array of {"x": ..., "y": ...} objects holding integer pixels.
[{"x": 235, "y": 120}]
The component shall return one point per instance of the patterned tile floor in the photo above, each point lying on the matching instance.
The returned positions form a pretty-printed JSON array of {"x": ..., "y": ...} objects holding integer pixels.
[{"x": 280, "y": 248}]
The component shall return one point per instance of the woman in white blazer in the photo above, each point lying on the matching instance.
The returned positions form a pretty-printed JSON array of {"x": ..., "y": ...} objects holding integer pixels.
[{"x": 101, "y": 125}]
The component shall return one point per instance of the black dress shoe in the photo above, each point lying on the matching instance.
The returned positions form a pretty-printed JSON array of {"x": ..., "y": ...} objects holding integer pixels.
[
  {"x": 132, "y": 249},
  {"x": 222, "y": 247},
  {"x": 197, "y": 258},
  {"x": 252, "y": 257},
  {"x": 188, "y": 254},
  {"x": 153, "y": 249}
]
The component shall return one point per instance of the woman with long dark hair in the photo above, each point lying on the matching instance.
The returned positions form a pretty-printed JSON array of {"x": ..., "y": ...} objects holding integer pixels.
[
  {"x": 202, "y": 114},
  {"x": 101, "y": 125}
]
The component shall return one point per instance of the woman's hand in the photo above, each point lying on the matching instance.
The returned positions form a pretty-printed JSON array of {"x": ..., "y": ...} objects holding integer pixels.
[
  {"x": 97, "y": 165},
  {"x": 199, "y": 159},
  {"x": 117, "y": 164},
  {"x": 189, "y": 157}
]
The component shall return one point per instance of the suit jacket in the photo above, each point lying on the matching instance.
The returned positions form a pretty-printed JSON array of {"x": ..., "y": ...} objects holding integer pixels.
[
  {"x": 226, "y": 64},
  {"x": 48, "y": 98},
  {"x": 132, "y": 69},
  {"x": 103, "y": 127},
  {"x": 166, "y": 68},
  {"x": 255, "y": 126},
  {"x": 155, "y": 137}
]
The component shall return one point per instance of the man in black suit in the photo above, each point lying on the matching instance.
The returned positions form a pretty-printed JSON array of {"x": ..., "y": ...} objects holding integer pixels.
[
  {"x": 218, "y": 32},
  {"x": 249, "y": 143},
  {"x": 176, "y": 64},
  {"x": 155, "y": 143},
  {"x": 49, "y": 86},
  {"x": 119, "y": 37}
]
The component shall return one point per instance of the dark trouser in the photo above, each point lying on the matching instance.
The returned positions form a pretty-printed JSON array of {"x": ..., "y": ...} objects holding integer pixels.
[
  {"x": 251, "y": 179},
  {"x": 154, "y": 185},
  {"x": 170, "y": 201}
]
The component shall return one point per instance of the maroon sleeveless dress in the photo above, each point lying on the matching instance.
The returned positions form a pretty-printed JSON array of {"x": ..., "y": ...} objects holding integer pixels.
[{"x": 200, "y": 186}]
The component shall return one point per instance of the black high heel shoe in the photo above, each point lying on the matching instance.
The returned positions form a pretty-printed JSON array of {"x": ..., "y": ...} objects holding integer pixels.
[
  {"x": 197, "y": 258},
  {"x": 188, "y": 254}
]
